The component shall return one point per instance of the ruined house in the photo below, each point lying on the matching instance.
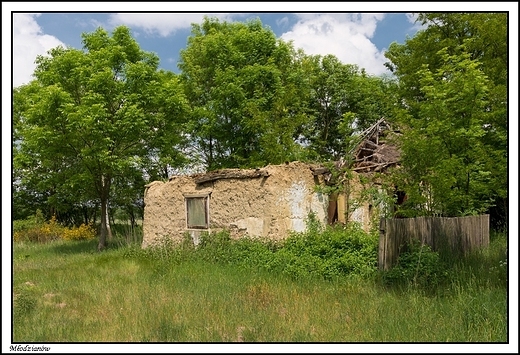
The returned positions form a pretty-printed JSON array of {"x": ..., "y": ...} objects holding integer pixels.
[
  {"x": 375, "y": 152},
  {"x": 266, "y": 202}
]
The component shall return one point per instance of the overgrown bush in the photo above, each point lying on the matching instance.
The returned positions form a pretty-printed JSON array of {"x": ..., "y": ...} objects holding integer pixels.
[
  {"x": 418, "y": 266},
  {"x": 35, "y": 229},
  {"x": 319, "y": 252},
  {"x": 244, "y": 252},
  {"x": 32, "y": 222},
  {"x": 83, "y": 232},
  {"x": 329, "y": 253}
]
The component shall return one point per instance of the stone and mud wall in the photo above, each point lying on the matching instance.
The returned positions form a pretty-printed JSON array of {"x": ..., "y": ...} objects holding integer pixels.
[{"x": 270, "y": 205}]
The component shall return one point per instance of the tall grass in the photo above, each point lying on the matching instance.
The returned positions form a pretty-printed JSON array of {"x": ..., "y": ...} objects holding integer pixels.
[
  {"x": 124, "y": 233},
  {"x": 249, "y": 291}
]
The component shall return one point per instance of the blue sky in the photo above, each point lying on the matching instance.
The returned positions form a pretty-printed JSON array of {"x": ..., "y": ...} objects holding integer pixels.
[
  {"x": 355, "y": 38},
  {"x": 357, "y": 33},
  {"x": 168, "y": 38}
]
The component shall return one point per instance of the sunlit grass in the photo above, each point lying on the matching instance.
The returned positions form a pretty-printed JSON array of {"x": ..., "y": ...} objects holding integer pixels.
[{"x": 67, "y": 292}]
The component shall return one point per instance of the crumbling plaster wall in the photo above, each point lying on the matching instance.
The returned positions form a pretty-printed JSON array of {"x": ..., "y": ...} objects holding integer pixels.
[
  {"x": 266, "y": 206},
  {"x": 359, "y": 205}
]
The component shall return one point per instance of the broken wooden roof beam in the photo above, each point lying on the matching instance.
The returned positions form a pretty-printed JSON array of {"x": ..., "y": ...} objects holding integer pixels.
[
  {"x": 320, "y": 171},
  {"x": 374, "y": 167},
  {"x": 231, "y": 174}
]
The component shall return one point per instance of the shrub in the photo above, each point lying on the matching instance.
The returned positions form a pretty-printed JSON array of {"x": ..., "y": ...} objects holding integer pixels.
[
  {"x": 83, "y": 232},
  {"x": 31, "y": 222},
  {"x": 28, "y": 229},
  {"x": 418, "y": 266},
  {"x": 329, "y": 253},
  {"x": 40, "y": 232},
  {"x": 35, "y": 229},
  {"x": 320, "y": 252}
]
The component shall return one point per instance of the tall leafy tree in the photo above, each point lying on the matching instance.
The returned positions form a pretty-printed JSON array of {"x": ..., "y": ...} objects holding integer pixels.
[
  {"x": 94, "y": 115},
  {"x": 447, "y": 169},
  {"x": 453, "y": 84},
  {"x": 247, "y": 90},
  {"x": 330, "y": 100},
  {"x": 343, "y": 100}
]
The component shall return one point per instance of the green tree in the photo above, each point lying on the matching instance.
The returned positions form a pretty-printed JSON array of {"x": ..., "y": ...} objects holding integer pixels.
[
  {"x": 456, "y": 120},
  {"x": 344, "y": 100},
  {"x": 94, "y": 115},
  {"x": 247, "y": 91},
  {"x": 330, "y": 100}
]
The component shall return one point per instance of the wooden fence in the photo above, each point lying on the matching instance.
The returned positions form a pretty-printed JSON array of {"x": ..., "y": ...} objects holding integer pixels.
[{"x": 442, "y": 234}]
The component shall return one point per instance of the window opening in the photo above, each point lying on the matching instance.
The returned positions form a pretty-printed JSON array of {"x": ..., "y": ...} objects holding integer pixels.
[{"x": 197, "y": 212}]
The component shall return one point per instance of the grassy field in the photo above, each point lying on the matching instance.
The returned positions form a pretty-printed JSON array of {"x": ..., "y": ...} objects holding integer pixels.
[{"x": 64, "y": 291}]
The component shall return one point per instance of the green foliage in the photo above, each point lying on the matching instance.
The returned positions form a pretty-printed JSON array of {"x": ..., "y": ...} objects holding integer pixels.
[
  {"x": 40, "y": 232},
  {"x": 343, "y": 100},
  {"x": 453, "y": 113},
  {"x": 245, "y": 253},
  {"x": 331, "y": 253},
  {"x": 91, "y": 120},
  {"x": 417, "y": 266},
  {"x": 25, "y": 301},
  {"x": 215, "y": 247},
  {"x": 327, "y": 253},
  {"x": 444, "y": 157},
  {"x": 318, "y": 253},
  {"x": 35, "y": 229},
  {"x": 247, "y": 91},
  {"x": 34, "y": 221}
]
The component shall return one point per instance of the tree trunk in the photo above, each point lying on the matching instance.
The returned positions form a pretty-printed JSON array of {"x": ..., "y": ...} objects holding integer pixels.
[
  {"x": 103, "y": 232},
  {"x": 105, "y": 225},
  {"x": 132, "y": 218},
  {"x": 165, "y": 171},
  {"x": 85, "y": 215},
  {"x": 94, "y": 215},
  {"x": 109, "y": 230},
  {"x": 210, "y": 163}
]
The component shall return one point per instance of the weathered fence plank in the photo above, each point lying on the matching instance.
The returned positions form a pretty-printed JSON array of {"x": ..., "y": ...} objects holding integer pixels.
[{"x": 443, "y": 234}]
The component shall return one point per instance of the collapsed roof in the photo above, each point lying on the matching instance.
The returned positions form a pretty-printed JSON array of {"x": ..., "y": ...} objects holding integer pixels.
[{"x": 376, "y": 152}]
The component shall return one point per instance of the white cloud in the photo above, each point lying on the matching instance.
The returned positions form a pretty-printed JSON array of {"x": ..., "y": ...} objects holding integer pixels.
[
  {"x": 347, "y": 36},
  {"x": 411, "y": 17},
  {"x": 283, "y": 22},
  {"x": 28, "y": 42},
  {"x": 416, "y": 26},
  {"x": 162, "y": 23}
]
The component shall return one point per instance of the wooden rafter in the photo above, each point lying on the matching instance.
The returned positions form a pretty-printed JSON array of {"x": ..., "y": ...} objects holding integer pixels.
[{"x": 231, "y": 174}]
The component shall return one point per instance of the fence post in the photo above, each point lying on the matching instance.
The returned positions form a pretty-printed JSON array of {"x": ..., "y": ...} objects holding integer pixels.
[{"x": 382, "y": 244}]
